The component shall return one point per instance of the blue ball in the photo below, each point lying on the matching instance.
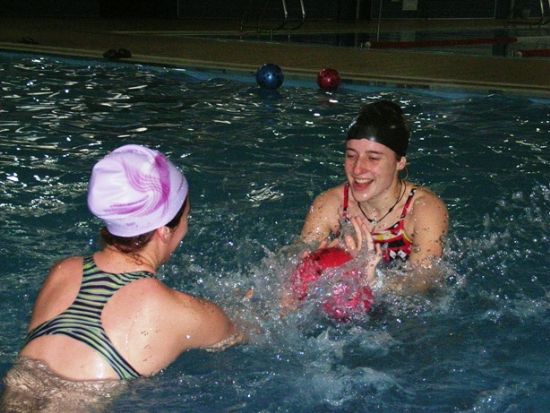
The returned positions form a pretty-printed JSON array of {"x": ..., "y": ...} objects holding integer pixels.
[{"x": 270, "y": 76}]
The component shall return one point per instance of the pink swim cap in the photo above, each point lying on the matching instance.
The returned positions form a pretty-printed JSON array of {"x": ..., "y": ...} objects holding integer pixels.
[{"x": 135, "y": 190}]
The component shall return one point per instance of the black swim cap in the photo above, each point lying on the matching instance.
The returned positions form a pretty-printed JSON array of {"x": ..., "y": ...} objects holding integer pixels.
[{"x": 382, "y": 122}]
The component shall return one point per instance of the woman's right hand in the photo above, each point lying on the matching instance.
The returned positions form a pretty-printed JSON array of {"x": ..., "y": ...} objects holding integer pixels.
[{"x": 362, "y": 238}]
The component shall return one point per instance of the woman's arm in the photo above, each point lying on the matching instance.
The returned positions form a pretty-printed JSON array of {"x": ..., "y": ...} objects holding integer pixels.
[
  {"x": 430, "y": 222},
  {"x": 323, "y": 217},
  {"x": 203, "y": 324}
]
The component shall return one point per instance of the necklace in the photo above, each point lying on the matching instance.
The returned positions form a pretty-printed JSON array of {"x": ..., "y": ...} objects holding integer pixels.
[{"x": 376, "y": 221}]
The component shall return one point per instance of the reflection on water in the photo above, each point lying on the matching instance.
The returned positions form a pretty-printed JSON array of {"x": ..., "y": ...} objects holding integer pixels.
[
  {"x": 254, "y": 162},
  {"x": 30, "y": 386}
]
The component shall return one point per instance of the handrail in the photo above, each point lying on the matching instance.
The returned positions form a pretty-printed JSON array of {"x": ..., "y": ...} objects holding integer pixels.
[
  {"x": 544, "y": 16},
  {"x": 281, "y": 25},
  {"x": 379, "y": 20},
  {"x": 303, "y": 17}
]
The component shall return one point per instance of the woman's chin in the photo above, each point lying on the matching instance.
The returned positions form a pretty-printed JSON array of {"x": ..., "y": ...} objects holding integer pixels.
[{"x": 361, "y": 192}]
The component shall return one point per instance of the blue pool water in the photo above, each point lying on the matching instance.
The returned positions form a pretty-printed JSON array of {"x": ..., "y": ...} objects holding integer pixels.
[{"x": 255, "y": 160}]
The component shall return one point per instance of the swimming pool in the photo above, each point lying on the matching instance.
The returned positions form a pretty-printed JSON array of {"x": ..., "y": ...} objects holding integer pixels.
[{"x": 255, "y": 160}]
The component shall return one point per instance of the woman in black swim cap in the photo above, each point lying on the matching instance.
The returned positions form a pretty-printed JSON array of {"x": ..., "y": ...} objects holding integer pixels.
[
  {"x": 408, "y": 222},
  {"x": 382, "y": 122}
]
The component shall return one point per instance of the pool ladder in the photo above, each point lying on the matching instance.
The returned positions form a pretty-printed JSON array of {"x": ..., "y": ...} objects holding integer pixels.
[
  {"x": 545, "y": 12},
  {"x": 284, "y": 23}
]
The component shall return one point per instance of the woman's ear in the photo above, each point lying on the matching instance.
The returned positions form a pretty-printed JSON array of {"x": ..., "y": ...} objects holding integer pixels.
[
  {"x": 164, "y": 233},
  {"x": 401, "y": 163}
]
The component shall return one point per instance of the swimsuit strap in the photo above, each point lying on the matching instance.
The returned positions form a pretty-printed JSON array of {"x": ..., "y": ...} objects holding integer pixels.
[
  {"x": 82, "y": 319},
  {"x": 346, "y": 201},
  {"x": 395, "y": 241},
  {"x": 408, "y": 204},
  {"x": 399, "y": 226}
]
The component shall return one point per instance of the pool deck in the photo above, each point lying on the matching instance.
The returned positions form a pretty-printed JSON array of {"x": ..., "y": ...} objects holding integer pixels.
[{"x": 178, "y": 43}]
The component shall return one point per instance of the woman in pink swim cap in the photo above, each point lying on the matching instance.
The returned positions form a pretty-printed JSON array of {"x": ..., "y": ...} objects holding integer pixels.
[{"x": 107, "y": 316}]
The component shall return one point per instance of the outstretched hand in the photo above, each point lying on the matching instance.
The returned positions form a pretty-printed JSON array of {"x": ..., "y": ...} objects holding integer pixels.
[{"x": 354, "y": 244}]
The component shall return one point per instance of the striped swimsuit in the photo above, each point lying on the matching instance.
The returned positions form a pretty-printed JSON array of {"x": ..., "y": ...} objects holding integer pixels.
[
  {"x": 82, "y": 320},
  {"x": 395, "y": 242}
]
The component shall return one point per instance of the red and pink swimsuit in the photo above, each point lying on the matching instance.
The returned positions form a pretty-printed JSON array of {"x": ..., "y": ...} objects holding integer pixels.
[{"x": 395, "y": 242}]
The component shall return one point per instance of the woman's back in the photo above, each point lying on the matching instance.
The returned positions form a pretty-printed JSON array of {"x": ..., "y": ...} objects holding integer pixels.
[{"x": 145, "y": 323}]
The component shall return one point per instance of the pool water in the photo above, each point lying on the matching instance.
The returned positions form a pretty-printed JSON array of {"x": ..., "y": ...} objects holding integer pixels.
[{"x": 255, "y": 160}]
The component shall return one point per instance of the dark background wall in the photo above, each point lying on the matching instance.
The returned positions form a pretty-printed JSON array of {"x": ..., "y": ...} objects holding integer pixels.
[
  {"x": 233, "y": 9},
  {"x": 49, "y": 7}
]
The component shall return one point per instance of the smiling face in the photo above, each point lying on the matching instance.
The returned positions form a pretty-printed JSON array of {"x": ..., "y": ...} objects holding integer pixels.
[{"x": 371, "y": 168}]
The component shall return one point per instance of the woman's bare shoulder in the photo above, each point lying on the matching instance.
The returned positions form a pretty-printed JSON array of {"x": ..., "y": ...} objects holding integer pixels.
[
  {"x": 202, "y": 322},
  {"x": 335, "y": 193},
  {"x": 428, "y": 207},
  {"x": 175, "y": 302},
  {"x": 330, "y": 199},
  {"x": 425, "y": 197},
  {"x": 65, "y": 267},
  {"x": 323, "y": 215},
  {"x": 199, "y": 306}
]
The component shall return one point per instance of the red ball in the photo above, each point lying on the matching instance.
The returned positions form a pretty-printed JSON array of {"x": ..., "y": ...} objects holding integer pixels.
[
  {"x": 328, "y": 79},
  {"x": 313, "y": 265},
  {"x": 343, "y": 299}
]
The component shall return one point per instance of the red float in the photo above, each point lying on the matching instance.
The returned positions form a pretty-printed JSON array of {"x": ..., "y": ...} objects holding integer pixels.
[
  {"x": 534, "y": 53},
  {"x": 328, "y": 79},
  {"x": 343, "y": 300}
]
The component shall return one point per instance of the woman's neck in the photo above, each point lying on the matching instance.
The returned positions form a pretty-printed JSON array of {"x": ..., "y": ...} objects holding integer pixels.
[
  {"x": 111, "y": 257},
  {"x": 376, "y": 209}
]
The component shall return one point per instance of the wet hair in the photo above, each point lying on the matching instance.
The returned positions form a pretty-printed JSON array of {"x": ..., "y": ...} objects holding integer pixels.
[
  {"x": 383, "y": 122},
  {"x": 134, "y": 244}
]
